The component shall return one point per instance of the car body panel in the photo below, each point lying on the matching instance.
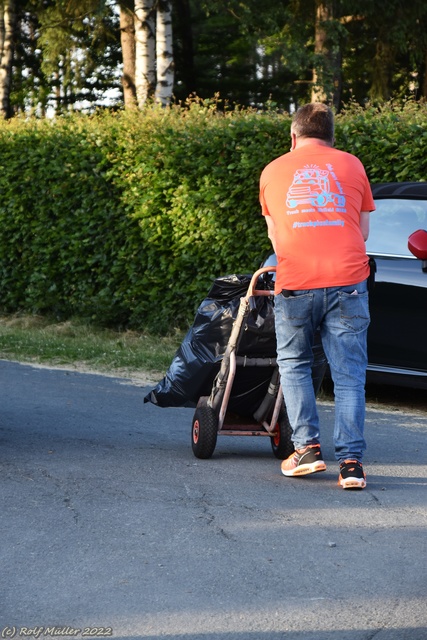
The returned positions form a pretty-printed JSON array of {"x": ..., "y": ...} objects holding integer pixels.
[{"x": 397, "y": 336}]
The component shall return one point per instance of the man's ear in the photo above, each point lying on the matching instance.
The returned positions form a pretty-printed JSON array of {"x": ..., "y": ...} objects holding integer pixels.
[{"x": 293, "y": 141}]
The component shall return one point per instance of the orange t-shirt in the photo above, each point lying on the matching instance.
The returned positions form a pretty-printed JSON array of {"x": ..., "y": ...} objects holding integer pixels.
[{"x": 315, "y": 195}]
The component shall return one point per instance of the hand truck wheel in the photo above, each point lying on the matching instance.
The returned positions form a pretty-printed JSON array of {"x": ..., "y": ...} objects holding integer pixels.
[
  {"x": 204, "y": 432},
  {"x": 281, "y": 442}
]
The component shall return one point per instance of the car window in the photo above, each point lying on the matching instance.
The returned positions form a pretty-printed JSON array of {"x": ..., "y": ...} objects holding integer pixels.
[{"x": 391, "y": 224}]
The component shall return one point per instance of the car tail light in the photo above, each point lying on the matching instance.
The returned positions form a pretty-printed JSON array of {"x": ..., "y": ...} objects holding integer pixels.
[{"x": 417, "y": 244}]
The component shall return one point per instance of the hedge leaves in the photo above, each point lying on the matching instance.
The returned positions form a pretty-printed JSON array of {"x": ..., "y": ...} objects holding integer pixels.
[{"x": 124, "y": 219}]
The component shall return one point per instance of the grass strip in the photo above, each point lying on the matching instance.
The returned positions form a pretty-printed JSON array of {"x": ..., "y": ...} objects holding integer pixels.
[{"x": 35, "y": 339}]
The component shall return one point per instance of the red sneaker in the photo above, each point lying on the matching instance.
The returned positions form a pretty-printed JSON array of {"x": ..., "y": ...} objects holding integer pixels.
[
  {"x": 304, "y": 461},
  {"x": 352, "y": 475}
]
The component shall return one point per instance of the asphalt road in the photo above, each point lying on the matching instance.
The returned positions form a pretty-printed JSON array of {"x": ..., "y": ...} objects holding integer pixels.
[{"x": 109, "y": 526}]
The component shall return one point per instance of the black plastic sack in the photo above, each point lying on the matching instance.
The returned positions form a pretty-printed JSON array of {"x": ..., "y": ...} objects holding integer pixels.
[{"x": 197, "y": 361}]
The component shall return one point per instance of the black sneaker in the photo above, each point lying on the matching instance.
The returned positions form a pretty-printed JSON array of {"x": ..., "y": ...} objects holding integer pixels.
[
  {"x": 304, "y": 461},
  {"x": 352, "y": 475}
]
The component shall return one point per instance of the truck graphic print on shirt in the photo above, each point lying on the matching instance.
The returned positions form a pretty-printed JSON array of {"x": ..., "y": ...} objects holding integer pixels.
[{"x": 311, "y": 185}]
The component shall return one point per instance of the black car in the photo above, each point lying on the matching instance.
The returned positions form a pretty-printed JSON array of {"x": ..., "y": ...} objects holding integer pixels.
[{"x": 397, "y": 337}]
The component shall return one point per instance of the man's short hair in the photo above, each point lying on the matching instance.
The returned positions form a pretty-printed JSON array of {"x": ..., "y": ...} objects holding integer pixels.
[{"x": 314, "y": 120}]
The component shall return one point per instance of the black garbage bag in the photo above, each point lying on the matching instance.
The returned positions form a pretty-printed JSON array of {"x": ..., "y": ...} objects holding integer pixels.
[{"x": 197, "y": 361}]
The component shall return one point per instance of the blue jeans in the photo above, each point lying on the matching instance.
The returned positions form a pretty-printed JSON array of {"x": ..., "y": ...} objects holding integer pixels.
[{"x": 342, "y": 317}]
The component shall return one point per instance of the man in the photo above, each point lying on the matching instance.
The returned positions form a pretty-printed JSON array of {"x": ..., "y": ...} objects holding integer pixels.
[{"x": 316, "y": 201}]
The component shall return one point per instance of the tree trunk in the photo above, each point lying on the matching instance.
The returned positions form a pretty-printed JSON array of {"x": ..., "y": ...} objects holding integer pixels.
[
  {"x": 184, "y": 33},
  {"x": 424, "y": 82},
  {"x": 164, "y": 53},
  {"x": 127, "y": 39},
  {"x": 327, "y": 65},
  {"x": 7, "y": 30},
  {"x": 145, "y": 51},
  {"x": 383, "y": 63}
]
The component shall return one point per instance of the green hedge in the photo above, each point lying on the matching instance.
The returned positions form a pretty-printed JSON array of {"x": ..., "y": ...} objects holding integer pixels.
[{"x": 125, "y": 218}]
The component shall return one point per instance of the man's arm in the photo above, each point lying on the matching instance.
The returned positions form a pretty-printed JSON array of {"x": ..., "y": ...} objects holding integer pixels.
[
  {"x": 271, "y": 230},
  {"x": 364, "y": 224}
]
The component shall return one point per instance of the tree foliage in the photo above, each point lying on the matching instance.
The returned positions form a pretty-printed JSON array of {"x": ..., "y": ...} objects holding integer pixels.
[
  {"x": 66, "y": 56},
  {"x": 80, "y": 51},
  {"x": 67, "y": 53}
]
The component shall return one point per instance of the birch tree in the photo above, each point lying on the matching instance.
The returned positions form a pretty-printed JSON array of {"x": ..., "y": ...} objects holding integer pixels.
[
  {"x": 7, "y": 28},
  {"x": 145, "y": 50},
  {"x": 164, "y": 53}
]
